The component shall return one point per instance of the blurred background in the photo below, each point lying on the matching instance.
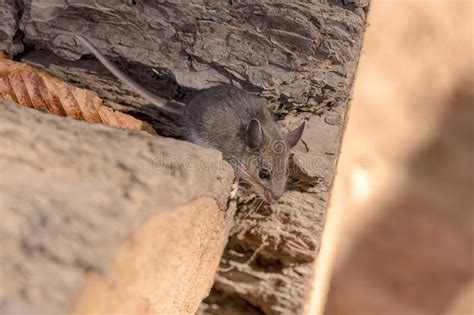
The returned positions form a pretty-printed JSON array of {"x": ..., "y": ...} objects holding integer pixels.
[{"x": 400, "y": 230}]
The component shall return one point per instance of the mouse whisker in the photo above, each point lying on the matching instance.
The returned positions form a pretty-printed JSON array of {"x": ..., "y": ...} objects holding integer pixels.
[
  {"x": 297, "y": 182},
  {"x": 254, "y": 209},
  {"x": 242, "y": 169},
  {"x": 242, "y": 164}
]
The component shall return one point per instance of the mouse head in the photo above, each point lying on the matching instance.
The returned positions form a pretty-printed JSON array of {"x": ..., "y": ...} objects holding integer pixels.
[{"x": 267, "y": 168}]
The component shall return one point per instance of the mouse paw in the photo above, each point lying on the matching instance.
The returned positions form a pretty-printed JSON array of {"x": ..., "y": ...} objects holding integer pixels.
[{"x": 234, "y": 188}]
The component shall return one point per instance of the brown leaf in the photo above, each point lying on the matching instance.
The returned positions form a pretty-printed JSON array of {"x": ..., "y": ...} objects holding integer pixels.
[{"x": 30, "y": 87}]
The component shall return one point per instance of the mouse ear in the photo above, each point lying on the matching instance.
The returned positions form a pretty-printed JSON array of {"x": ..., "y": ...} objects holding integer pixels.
[
  {"x": 254, "y": 134},
  {"x": 294, "y": 136}
]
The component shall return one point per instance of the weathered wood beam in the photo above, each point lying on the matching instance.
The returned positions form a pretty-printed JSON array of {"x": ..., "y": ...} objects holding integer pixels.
[{"x": 106, "y": 221}]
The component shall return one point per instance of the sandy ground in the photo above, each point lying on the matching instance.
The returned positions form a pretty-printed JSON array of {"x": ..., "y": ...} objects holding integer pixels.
[{"x": 400, "y": 232}]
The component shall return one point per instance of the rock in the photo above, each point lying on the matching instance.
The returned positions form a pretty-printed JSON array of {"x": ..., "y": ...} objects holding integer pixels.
[
  {"x": 10, "y": 18},
  {"x": 103, "y": 220},
  {"x": 276, "y": 47}
]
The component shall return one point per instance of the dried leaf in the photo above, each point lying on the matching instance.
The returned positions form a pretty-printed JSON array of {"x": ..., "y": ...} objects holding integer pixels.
[{"x": 30, "y": 87}]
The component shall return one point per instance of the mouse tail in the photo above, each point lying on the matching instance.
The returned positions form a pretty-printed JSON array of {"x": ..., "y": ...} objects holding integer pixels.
[{"x": 156, "y": 100}]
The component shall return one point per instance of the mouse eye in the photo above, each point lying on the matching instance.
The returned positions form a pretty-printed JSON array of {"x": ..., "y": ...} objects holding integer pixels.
[{"x": 264, "y": 174}]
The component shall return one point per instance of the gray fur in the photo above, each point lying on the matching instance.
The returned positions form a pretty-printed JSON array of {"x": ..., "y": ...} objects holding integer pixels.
[{"x": 219, "y": 117}]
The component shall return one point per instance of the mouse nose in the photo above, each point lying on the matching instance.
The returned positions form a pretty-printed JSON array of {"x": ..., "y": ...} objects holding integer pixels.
[{"x": 271, "y": 198}]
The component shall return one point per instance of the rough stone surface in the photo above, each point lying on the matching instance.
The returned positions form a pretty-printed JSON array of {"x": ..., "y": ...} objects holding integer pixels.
[
  {"x": 8, "y": 27},
  {"x": 98, "y": 219},
  {"x": 299, "y": 57},
  {"x": 294, "y": 54}
]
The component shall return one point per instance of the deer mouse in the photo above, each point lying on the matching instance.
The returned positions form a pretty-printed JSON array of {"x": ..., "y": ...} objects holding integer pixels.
[{"x": 235, "y": 122}]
